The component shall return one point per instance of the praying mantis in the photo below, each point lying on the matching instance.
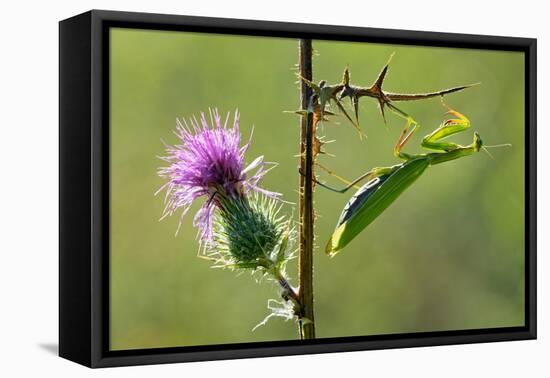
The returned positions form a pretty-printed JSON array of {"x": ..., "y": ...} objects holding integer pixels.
[{"x": 385, "y": 184}]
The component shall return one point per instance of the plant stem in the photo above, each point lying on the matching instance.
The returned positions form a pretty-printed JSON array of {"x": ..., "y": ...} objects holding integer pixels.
[{"x": 306, "y": 235}]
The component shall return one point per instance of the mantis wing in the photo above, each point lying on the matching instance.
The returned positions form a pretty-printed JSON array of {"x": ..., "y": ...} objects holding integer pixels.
[{"x": 371, "y": 200}]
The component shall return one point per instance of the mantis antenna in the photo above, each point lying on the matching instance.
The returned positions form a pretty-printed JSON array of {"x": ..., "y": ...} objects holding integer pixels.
[{"x": 486, "y": 148}]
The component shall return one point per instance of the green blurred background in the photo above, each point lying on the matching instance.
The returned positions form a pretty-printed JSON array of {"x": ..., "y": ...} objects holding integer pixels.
[{"x": 447, "y": 255}]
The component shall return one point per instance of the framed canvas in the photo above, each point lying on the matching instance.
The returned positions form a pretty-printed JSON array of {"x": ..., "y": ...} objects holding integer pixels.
[{"x": 236, "y": 188}]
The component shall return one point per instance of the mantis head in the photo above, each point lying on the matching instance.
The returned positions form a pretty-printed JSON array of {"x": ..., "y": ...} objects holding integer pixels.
[{"x": 478, "y": 143}]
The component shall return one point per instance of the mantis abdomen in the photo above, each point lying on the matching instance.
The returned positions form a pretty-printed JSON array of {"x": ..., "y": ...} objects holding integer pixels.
[{"x": 372, "y": 199}]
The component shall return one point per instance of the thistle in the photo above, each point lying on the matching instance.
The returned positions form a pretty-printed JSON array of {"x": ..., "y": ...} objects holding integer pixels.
[
  {"x": 209, "y": 163},
  {"x": 239, "y": 223},
  {"x": 250, "y": 233}
]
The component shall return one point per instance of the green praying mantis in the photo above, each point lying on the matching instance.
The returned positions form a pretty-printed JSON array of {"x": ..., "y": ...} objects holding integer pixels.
[{"x": 385, "y": 184}]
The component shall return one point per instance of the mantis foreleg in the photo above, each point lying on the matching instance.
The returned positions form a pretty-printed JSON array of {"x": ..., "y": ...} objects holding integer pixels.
[{"x": 450, "y": 127}]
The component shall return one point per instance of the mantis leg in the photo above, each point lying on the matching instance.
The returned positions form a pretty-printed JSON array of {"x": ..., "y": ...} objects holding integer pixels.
[
  {"x": 370, "y": 175},
  {"x": 410, "y": 127},
  {"x": 448, "y": 151},
  {"x": 332, "y": 173},
  {"x": 450, "y": 127}
]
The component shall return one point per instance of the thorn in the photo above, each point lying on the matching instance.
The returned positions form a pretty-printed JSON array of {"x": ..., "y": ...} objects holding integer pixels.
[
  {"x": 298, "y": 112},
  {"x": 390, "y": 58},
  {"x": 355, "y": 102},
  {"x": 382, "y": 112},
  {"x": 345, "y": 77},
  {"x": 382, "y": 75}
]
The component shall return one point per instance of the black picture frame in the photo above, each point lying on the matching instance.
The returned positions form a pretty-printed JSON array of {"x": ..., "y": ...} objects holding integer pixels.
[{"x": 84, "y": 188}]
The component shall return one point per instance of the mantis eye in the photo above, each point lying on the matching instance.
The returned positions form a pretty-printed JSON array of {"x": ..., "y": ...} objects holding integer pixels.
[{"x": 477, "y": 142}]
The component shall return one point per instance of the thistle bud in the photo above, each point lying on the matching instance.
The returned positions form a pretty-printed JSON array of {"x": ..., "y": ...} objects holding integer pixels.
[{"x": 248, "y": 232}]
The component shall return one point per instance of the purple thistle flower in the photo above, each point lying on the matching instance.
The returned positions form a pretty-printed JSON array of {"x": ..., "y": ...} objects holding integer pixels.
[{"x": 208, "y": 162}]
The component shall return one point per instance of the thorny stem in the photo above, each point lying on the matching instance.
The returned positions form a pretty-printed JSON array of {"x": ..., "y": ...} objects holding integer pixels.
[{"x": 305, "y": 294}]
